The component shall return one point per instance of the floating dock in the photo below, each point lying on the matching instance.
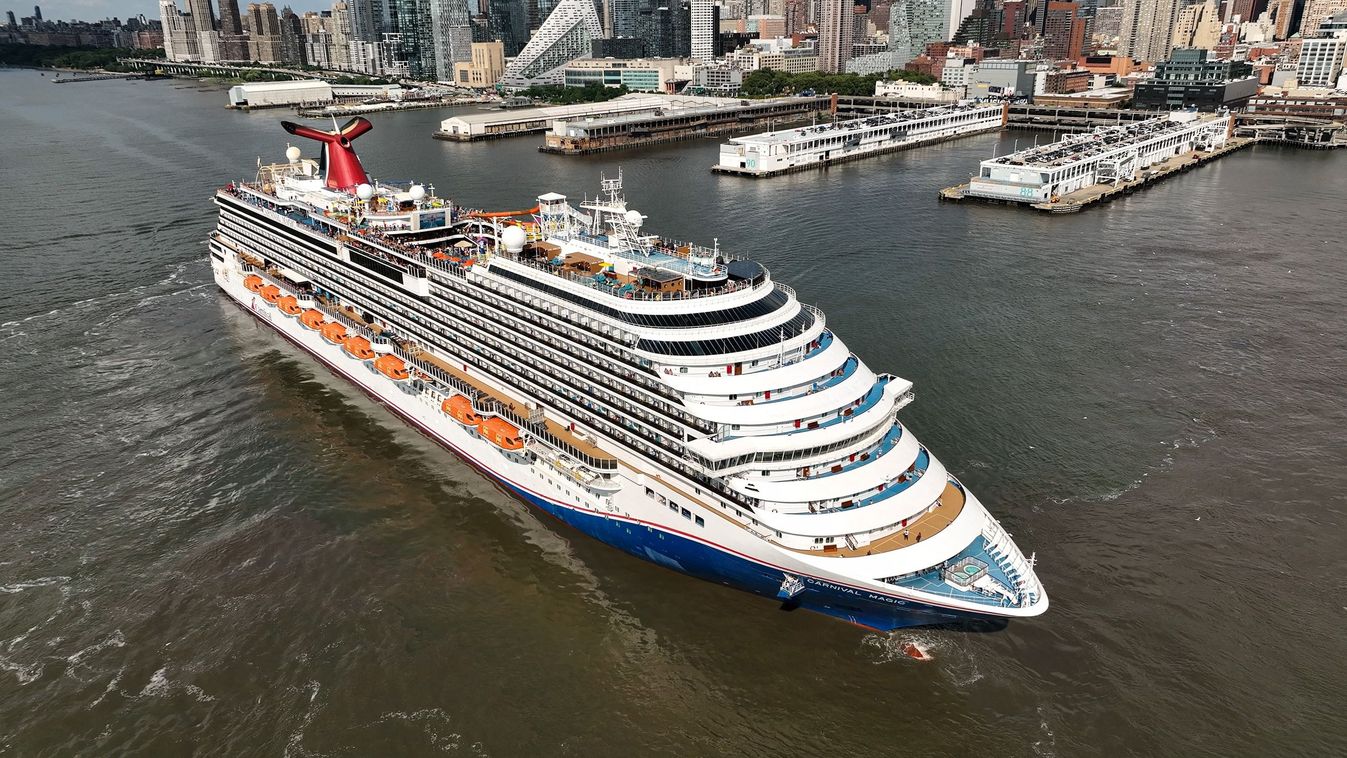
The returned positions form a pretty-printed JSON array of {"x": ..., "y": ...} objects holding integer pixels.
[
  {"x": 809, "y": 147},
  {"x": 1085, "y": 169}
]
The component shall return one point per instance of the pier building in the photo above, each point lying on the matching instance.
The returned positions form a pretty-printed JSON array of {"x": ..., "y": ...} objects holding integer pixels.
[{"x": 779, "y": 152}]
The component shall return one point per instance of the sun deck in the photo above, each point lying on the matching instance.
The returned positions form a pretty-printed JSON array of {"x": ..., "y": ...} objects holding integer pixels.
[{"x": 925, "y": 526}]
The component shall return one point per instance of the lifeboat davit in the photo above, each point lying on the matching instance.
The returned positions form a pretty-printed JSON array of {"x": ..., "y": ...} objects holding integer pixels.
[
  {"x": 358, "y": 347},
  {"x": 270, "y": 293},
  {"x": 501, "y": 433},
  {"x": 289, "y": 305},
  {"x": 460, "y": 409},
  {"x": 312, "y": 318},
  {"x": 334, "y": 332},
  {"x": 392, "y": 367},
  {"x": 253, "y": 282}
]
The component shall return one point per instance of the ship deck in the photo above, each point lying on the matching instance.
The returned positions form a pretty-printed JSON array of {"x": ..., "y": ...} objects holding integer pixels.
[
  {"x": 518, "y": 409},
  {"x": 926, "y": 526}
]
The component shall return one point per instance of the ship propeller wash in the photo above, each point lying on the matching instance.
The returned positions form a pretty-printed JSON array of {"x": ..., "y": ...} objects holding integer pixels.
[{"x": 668, "y": 398}]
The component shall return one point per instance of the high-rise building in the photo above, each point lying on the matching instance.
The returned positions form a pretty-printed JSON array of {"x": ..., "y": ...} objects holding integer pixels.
[
  {"x": 1321, "y": 57},
  {"x": 484, "y": 69},
  {"x": 233, "y": 40},
  {"x": 979, "y": 27},
  {"x": 1063, "y": 30},
  {"x": 1316, "y": 12},
  {"x": 958, "y": 11},
  {"x": 1247, "y": 10},
  {"x": 1198, "y": 27},
  {"x": 1146, "y": 31},
  {"x": 705, "y": 29},
  {"x": 914, "y": 24},
  {"x": 264, "y": 33},
  {"x": 13, "y": 23},
  {"x": 508, "y": 21},
  {"x": 666, "y": 28},
  {"x": 180, "y": 37},
  {"x": 451, "y": 25},
  {"x": 563, "y": 37},
  {"x": 623, "y": 17},
  {"x": 836, "y": 29},
  {"x": 1285, "y": 14},
  {"x": 340, "y": 30}
]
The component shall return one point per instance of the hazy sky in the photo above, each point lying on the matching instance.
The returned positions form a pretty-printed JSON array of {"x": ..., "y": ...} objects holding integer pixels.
[{"x": 93, "y": 10}]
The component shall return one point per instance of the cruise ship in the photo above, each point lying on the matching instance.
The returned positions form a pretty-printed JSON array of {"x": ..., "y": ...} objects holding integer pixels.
[{"x": 670, "y": 399}]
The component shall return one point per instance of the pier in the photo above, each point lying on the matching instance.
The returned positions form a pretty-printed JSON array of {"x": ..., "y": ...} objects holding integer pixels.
[
  {"x": 809, "y": 147},
  {"x": 495, "y": 124},
  {"x": 1083, "y": 170},
  {"x": 588, "y": 136}
]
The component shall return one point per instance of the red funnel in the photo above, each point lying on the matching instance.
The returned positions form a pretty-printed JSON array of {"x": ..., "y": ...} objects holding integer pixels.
[{"x": 340, "y": 165}]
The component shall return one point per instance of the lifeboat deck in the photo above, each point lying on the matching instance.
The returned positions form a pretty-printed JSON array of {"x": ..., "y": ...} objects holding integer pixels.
[{"x": 588, "y": 451}]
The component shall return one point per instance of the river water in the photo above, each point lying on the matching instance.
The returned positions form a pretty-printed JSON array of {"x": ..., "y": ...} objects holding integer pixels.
[{"x": 213, "y": 546}]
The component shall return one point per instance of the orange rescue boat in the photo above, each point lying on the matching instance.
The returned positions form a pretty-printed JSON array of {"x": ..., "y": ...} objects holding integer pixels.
[
  {"x": 392, "y": 367},
  {"x": 312, "y": 318},
  {"x": 334, "y": 332},
  {"x": 358, "y": 347},
  {"x": 270, "y": 293},
  {"x": 501, "y": 433},
  {"x": 253, "y": 282},
  {"x": 289, "y": 305},
  {"x": 460, "y": 409}
]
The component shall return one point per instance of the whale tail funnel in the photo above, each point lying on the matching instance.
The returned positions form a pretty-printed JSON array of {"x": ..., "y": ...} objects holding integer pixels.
[{"x": 340, "y": 166}]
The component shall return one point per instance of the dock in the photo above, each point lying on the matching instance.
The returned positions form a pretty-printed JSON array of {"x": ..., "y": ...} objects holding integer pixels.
[
  {"x": 514, "y": 122},
  {"x": 769, "y": 154},
  {"x": 1083, "y": 170},
  {"x": 589, "y": 136}
]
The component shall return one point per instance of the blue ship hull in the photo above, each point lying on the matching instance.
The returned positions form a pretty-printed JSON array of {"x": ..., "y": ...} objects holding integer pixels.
[{"x": 694, "y": 558}]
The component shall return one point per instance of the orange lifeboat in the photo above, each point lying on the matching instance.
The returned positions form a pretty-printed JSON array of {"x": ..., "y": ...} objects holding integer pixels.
[
  {"x": 392, "y": 367},
  {"x": 334, "y": 332},
  {"x": 289, "y": 305},
  {"x": 312, "y": 318},
  {"x": 253, "y": 282},
  {"x": 501, "y": 433},
  {"x": 358, "y": 347},
  {"x": 460, "y": 409},
  {"x": 270, "y": 293}
]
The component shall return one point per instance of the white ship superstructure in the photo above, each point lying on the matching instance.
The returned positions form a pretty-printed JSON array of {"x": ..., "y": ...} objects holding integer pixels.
[{"x": 665, "y": 397}]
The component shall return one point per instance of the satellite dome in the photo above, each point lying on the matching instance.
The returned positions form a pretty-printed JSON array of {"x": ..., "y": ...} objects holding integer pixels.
[
  {"x": 417, "y": 192},
  {"x": 634, "y": 218},
  {"x": 513, "y": 238},
  {"x": 364, "y": 191},
  {"x": 292, "y": 154}
]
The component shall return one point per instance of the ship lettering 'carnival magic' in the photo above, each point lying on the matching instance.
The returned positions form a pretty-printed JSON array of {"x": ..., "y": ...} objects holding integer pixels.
[{"x": 664, "y": 397}]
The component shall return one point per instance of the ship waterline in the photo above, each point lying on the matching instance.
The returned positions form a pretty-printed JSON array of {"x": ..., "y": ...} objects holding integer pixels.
[{"x": 664, "y": 397}]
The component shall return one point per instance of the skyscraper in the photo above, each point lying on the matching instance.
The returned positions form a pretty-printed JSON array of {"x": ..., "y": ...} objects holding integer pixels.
[
  {"x": 264, "y": 39},
  {"x": 1147, "y": 28},
  {"x": 705, "y": 29},
  {"x": 508, "y": 21},
  {"x": 233, "y": 41},
  {"x": 451, "y": 25},
  {"x": 836, "y": 29},
  {"x": 1063, "y": 30},
  {"x": 914, "y": 24},
  {"x": 563, "y": 37},
  {"x": 1198, "y": 26}
]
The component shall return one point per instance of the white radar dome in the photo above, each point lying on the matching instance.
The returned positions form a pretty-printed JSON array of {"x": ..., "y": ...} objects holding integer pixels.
[
  {"x": 364, "y": 191},
  {"x": 513, "y": 238},
  {"x": 634, "y": 218},
  {"x": 417, "y": 192},
  {"x": 292, "y": 154}
]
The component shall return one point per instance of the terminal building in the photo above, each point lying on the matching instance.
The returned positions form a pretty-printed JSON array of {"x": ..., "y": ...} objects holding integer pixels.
[
  {"x": 1110, "y": 154},
  {"x": 778, "y": 152},
  {"x": 1192, "y": 79}
]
